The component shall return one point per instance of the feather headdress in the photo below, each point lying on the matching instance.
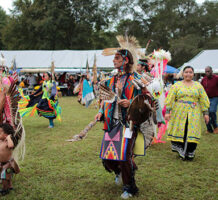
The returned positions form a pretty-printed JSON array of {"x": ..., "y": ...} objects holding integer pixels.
[
  {"x": 160, "y": 58},
  {"x": 110, "y": 51},
  {"x": 129, "y": 43}
]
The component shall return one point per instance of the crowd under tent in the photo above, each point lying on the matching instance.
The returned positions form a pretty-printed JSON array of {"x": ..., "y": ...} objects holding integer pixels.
[
  {"x": 74, "y": 61},
  {"x": 64, "y": 60},
  {"x": 202, "y": 60}
]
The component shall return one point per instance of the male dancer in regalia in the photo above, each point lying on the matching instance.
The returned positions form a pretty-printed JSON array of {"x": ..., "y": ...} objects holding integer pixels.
[{"x": 118, "y": 141}]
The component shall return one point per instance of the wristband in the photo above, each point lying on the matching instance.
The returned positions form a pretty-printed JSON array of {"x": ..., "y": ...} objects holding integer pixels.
[{"x": 101, "y": 111}]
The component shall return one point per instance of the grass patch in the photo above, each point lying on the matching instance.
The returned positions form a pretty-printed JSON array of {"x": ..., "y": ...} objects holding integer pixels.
[{"x": 55, "y": 169}]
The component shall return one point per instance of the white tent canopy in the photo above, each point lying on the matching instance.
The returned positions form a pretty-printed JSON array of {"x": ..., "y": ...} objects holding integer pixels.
[
  {"x": 203, "y": 59},
  {"x": 63, "y": 59}
]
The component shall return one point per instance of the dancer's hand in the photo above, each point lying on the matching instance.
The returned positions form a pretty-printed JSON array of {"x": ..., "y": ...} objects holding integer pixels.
[
  {"x": 98, "y": 116},
  {"x": 167, "y": 117},
  {"x": 206, "y": 119},
  {"x": 124, "y": 103}
]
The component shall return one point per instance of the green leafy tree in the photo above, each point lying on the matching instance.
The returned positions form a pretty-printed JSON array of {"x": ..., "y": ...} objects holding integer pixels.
[
  {"x": 47, "y": 24},
  {"x": 181, "y": 26},
  {"x": 184, "y": 48},
  {"x": 208, "y": 24},
  {"x": 3, "y": 21}
]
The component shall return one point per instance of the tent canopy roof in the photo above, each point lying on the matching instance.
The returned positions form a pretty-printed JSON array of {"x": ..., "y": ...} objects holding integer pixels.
[
  {"x": 203, "y": 59},
  {"x": 170, "y": 70},
  {"x": 62, "y": 59}
]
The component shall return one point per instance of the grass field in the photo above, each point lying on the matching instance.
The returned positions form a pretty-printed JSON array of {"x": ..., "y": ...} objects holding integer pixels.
[{"x": 55, "y": 169}]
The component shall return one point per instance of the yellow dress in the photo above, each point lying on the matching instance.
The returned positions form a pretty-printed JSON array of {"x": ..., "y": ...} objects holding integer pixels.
[{"x": 186, "y": 101}]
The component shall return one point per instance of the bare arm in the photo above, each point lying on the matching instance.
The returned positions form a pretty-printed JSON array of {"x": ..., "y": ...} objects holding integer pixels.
[{"x": 100, "y": 113}]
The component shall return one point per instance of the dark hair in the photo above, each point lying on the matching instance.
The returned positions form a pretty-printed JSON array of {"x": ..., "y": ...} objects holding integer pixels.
[
  {"x": 144, "y": 63},
  {"x": 7, "y": 129},
  {"x": 188, "y": 67},
  {"x": 49, "y": 75},
  {"x": 209, "y": 67},
  {"x": 126, "y": 54}
]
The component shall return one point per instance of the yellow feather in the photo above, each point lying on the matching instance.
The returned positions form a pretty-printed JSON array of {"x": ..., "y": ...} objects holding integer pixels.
[{"x": 109, "y": 51}]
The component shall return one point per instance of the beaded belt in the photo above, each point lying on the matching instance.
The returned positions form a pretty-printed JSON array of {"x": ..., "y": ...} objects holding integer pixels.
[{"x": 192, "y": 104}]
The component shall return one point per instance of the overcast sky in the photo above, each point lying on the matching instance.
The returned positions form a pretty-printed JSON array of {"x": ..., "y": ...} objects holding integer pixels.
[{"x": 7, "y": 4}]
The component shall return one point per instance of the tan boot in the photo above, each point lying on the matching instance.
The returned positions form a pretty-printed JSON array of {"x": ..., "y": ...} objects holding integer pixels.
[{"x": 215, "y": 131}]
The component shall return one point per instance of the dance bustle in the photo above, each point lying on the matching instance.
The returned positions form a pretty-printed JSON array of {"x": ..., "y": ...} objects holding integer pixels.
[{"x": 13, "y": 117}]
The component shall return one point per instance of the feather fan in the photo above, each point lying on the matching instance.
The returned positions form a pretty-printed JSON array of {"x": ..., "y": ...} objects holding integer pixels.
[{"x": 106, "y": 94}]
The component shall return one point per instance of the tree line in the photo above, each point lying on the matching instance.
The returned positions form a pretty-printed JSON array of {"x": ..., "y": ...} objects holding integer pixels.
[{"x": 181, "y": 26}]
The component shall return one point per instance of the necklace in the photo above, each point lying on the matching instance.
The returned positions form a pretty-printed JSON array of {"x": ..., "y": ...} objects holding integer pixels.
[{"x": 121, "y": 73}]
